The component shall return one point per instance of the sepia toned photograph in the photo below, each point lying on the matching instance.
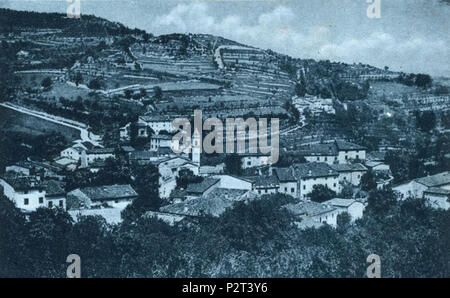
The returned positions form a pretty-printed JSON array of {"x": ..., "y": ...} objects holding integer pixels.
[{"x": 194, "y": 140}]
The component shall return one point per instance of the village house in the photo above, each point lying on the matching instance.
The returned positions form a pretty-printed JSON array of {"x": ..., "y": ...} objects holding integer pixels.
[
  {"x": 202, "y": 189},
  {"x": 350, "y": 173},
  {"x": 29, "y": 193},
  {"x": 99, "y": 154},
  {"x": 158, "y": 142},
  {"x": 354, "y": 208},
  {"x": 337, "y": 152},
  {"x": 310, "y": 174},
  {"x": 416, "y": 188},
  {"x": 157, "y": 123},
  {"x": 287, "y": 181},
  {"x": 376, "y": 161},
  {"x": 113, "y": 196},
  {"x": 55, "y": 194},
  {"x": 253, "y": 160},
  {"x": 264, "y": 184},
  {"x": 312, "y": 214}
]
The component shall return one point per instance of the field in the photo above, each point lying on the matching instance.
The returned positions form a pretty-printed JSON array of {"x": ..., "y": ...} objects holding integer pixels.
[{"x": 11, "y": 120}]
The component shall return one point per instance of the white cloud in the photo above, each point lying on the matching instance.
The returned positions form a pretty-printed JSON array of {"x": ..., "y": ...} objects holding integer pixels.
[{"x": 280, "y": 30}]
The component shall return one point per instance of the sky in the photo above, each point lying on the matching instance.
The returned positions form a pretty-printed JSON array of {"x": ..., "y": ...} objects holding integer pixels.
[{"x": 410, "y": 35}]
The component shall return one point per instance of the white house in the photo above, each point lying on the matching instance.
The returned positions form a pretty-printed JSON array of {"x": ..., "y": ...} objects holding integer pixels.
[
  {"x": 100, "y": 153},
  {"x": 348, "y": 151},
  {"x": 263, "y": 185},
  {"x": 310, "y": 174},
  {"x": 337, "y": 152},
  {"x": 350, "y": 173},
  {"x": 416, "y": 188},
  {"x": 29, "y": 193},
  {"x": 286, "y": 180},
  {"x": 25, "y": 191},
  {"x": 253, "y": 160},
  {"x": 312, "y": 214},
  {"x": 115, "y": 196},
  {"x": 160, "y": 141},
  {"x": 158, "y": 123},
  {"x": 73, "y": 153},
  {"x": 354, "y": 208}
]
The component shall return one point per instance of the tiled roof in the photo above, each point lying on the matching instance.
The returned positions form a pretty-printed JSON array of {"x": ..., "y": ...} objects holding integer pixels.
[
  {"x": 348, "y": 167},
  {"x": 328, "y": 149},
  {"x": 109, "y": 192},
  {"x": 438, "y": 190},
  {"x": 313, "y": 170},
  {"x": 285, "y": 174},
  {"x": 101, "y": 151},
  {"x": 54, "y": 188},
  {"x": 19, "y": 182},
  {"x": 340, "y": 202},
  {"x": 200, "y": 188},
  {"x": 435, "y": 180},
  {"x": 264, "y": 181},
  {"x": 214, "y": 206},
  {"x": 344, "y": 145},
  {"x": 309, "y": 208}
]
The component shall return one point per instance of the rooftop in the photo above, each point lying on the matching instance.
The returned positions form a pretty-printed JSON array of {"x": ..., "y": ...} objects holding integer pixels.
[
  {"x": 54, "y": 188},
  {"x": 200, "y": 188},
  {"x": 109, "y": 192},
  {"x": 214, "y": 206},
  {"x": 344, "y": 145},
  {"x": 438, "y": 191},
  {"x": 435, "y": 180},
  {"x": 313, "y": 170},
  {"x": 340, "y": 202},
  {"x": 20, "y": 182},
  {"x": 285, "y": 174},
  {"x": 309, "y": 208},
  {"x": 348, "y": 167}
]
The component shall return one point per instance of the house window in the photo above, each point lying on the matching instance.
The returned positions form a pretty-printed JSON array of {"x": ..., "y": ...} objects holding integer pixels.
[
  {"x": 357, "y": 156},
  {"x": 259, "y": 191},
  {"x": 41, "y": 200},
  {"x": 26, "y": 201},
  {"x": 50, "y": 204},
  {"x": 326, "y": 158},
  {"x": 318, "y": 158},
  {"x": 334, "y": 184},
  {"x": 292, "y": 190},
  {"x": 304, "y": 187},
  {"x": 249, "y": 163},
  {"x": 61, "y": 203},
  {"x": 285, "y": 189},
  {"x": 346, "y": 157}
]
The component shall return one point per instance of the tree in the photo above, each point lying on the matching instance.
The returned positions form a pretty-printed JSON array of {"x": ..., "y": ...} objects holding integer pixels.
[
  {"x": 128, "y": 93},
  {"x": 426, "y": 121},
  {"x": 186, "y": 177},
  {"x": 14, "y": 261},
  {"x": 233, "y": 164},
  {"x": 157, "y": 93},
  {"x": 143, "y": 92},
  {"x": 368, "y": 181},
  {"x": 47, "y": 83},
  {"x": 95, "y": 84},
  {"x": 78, "y": 78},
  {"x": 321, "y": 193},
  {"x": 48, "y": 146},
  {"x": 423, "y": 80}
]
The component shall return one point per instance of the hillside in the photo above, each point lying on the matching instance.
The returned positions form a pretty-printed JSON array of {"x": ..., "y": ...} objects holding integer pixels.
[{"x": 13, "y": 21}]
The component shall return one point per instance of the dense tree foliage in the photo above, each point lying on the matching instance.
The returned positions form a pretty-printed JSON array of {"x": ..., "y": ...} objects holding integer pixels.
[{"x": 257, "y": 239}]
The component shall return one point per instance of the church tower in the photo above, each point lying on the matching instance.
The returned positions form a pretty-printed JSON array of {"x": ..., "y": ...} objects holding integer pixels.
[{"x": 196, "y": 147}]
